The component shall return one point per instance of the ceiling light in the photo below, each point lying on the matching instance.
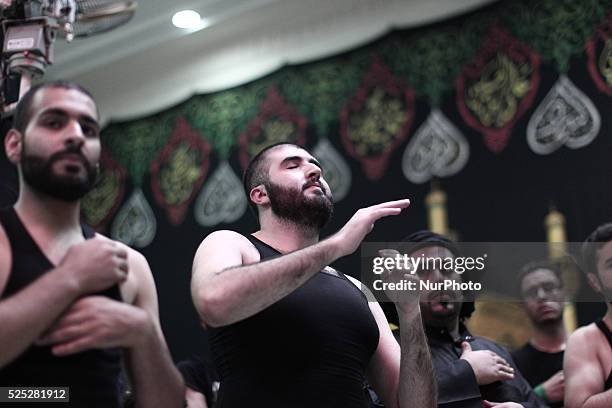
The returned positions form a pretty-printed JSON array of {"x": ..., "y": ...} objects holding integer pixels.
[{"x": 186, "y": 19}]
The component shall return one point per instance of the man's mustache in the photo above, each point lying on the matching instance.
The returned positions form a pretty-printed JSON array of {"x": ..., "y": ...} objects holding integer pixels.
[
  {"x": 71, "y": 151},
  {"x": 314, "y": 183}
]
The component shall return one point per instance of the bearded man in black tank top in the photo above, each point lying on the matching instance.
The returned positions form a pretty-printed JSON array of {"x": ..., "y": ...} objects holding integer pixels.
[
  {"x": 285, "y": 329},
  {"x": 587, "y": 362},
  {"x": 72, "y": 302}
]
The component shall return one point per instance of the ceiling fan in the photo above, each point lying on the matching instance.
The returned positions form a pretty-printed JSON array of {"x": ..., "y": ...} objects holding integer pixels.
[{"x": 30, "y": 27}]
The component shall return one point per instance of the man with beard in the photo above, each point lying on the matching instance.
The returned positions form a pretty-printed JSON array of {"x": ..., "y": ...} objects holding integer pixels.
[
  {"x": 471, "y": 371},
  {"x": 72, "y": 302},
  {"x": 285, "y": 329},
  {"x": 588, "y": 358},
  {"x": 541, "y": 359}
]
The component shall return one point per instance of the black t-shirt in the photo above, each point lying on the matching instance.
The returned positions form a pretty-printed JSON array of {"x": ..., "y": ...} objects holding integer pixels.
[
  {"x": 538, "y": 366},
  {"x": 197, "y": 375}
]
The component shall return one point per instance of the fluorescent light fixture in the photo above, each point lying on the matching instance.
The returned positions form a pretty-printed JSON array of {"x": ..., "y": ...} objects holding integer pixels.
[{"x": 187, "y": 19}]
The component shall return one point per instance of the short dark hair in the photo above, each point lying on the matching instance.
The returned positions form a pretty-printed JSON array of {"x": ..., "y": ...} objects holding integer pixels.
[
  {"x": 594, "y": 242},
  {"x": 257, "y": 171},
  {"x": 539, "y": 264},
  {"x": 23, "y": 111},
  {"x": 426, "y": 238}
]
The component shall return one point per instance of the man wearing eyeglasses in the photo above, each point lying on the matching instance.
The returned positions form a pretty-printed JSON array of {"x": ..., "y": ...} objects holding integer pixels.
[{"x": 541, "y": 359}]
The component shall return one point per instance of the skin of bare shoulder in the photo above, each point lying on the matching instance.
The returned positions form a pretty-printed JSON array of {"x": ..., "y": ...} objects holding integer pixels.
[
  {"x": 585, "y": 338},
  {"x": 587, "y": 362},
  {"x": 5, "y": 259},
  {"x": 220, "y": 239},
  {"x": 138, "y": 269}
]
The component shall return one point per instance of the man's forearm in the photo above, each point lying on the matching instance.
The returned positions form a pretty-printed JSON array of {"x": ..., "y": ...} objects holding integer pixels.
[
  {"x": 240, "y": 292},
  {"x": 155, "y": 380},
  {"x": 25, "y": 315},
  {"x": 417, "y": 383}
]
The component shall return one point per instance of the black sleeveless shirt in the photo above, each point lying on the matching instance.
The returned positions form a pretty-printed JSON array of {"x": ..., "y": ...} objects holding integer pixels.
[
  {"x": 309, "y": 349},
  {"x": 91, "y": 375},
  {"x": 604, "y": 328}
]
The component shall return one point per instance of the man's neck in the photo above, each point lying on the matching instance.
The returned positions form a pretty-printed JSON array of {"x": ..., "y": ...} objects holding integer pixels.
[
  {"x": 42, "y": 211},
  {"x": 285, "y": 236},
  {"x": 451, "y": 325},
  {"x": 549, "y": 338},
  {"x": 453, "y": 329}
]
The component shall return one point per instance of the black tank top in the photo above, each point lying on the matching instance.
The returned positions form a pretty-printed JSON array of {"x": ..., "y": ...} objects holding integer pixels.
[
  {"x": 310, "y": 349},
  {"x": 604, "y": 328},
  {"x": 91, "y": 375}
]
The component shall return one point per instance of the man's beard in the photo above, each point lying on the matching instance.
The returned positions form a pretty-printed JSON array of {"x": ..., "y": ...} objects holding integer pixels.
[
  {"x": 38, "y": 174},
  {"x": 292, "y": 205},
  {"x": 551, "y": 321},
  {"x": 606, "y": 292}
]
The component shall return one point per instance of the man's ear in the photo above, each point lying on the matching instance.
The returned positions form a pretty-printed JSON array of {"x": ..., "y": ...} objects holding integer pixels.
[
  {"x": 259, "y": 195},
  {"x": 594, "y": 282},
  {"x": 13, "y": 145}
]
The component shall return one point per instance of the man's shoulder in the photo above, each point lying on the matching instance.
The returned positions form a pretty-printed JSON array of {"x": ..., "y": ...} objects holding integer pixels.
[
  {"x": 585, "y": 337},
  {"x": 131, "y": 251},
  {"x": 137, "y": 261},
  {"x": 226, "y": 239},
  {"x": 488, "y": 344},
  {"x": 5, "y": 258},
  {"x": 226, "y": 234}
]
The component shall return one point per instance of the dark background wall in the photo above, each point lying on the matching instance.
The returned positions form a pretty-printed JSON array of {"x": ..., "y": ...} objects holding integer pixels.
[{"x": 500, "y": 195}]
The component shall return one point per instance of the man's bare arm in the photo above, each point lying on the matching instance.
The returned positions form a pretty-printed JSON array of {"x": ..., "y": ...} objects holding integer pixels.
[
  {"x": 584, "y": 376},
  {"x": 97, "y": 322},
  {"x": 405, "y": 379},
  {"x": 25, "y": 315},
  {"x": 417, "y": 381},
  {"x": 225, "y": 295},
  {"x": 225, "y": 290},
  {"x": 155, "y": 379},
  {"x": 402, "y": 377}
]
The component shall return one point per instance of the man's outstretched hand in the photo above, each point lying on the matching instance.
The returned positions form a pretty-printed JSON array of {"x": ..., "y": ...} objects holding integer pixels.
[{"x": 354, "y": 231}]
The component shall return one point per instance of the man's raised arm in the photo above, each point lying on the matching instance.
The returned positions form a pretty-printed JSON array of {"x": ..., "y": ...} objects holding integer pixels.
[{"x": 228, "y": 284}]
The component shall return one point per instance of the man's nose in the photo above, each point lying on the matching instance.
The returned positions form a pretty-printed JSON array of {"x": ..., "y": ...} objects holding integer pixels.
[
  {"x": 74, "y": 134},
  {"x": 541, "y": 293},
  {"x": 313, "y": 172}
]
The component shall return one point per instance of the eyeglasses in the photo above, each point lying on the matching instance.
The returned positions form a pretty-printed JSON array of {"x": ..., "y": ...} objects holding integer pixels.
[{"x": 542, "y": 291}]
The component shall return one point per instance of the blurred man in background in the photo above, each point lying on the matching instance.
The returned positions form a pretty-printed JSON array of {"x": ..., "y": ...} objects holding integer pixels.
[{"x": 541, "y": 359}]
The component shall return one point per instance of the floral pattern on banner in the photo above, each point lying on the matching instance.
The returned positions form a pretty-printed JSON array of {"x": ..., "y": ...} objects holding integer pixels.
[
  {"x": 101, "y": 203},
  {"x": 376, "y": 120},
  {"x": 319, "y": 90},
  {"x": 496, "y": 89},
  {"x": 556, "y": 29},
  {"x": 275, "y": 122},
  {"x": 179, "y": 171},
  {"x": 599, "y": 52}
]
